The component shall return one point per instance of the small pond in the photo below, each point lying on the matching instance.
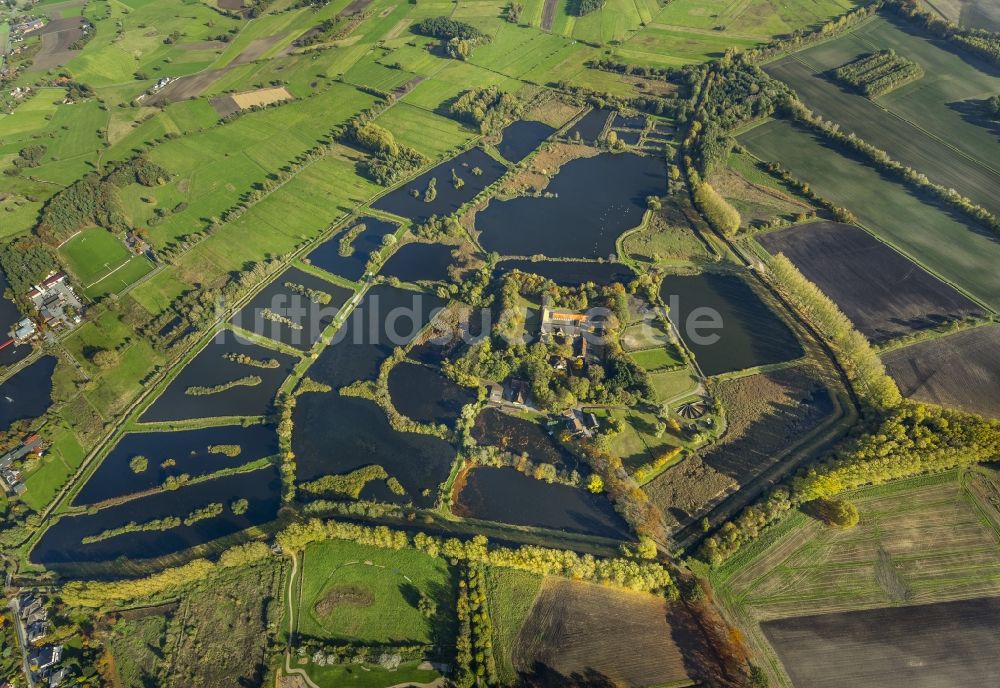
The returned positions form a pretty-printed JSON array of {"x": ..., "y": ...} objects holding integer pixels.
[
  {"x": 418, "y": 262},
  {"x": 521, "y": 138},
  {"x": 629, "y": 121},
  {"x": 327, "y": 256},
  {"x": 210, "y": 368},
  {"x": 335, "y": 434},
  {"x": 590, "y": 125},
  {"x": 596, "y": 199},
  {"x": 425, "y": 395},
  {"x": 188, "y": 450},
  {"x": 508, "y": 496},
  {"x": 518, "y": 436},
  {"x": 387, "y": 317},
  {"x": 306, "y": 318},
  {"x": 28, "y": 394},
  {"x": 409, "y": 200},
  {"x": 629, "y": 138},
  {"x": 62, "y": 543},
  {"x": 750, "y": 334},
  {"x": 571, "y": 272}
]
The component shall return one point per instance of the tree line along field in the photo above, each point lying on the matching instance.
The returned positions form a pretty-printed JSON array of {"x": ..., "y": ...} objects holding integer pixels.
[
  {"x": 883, "y": 293},
  {"x": 932, "y": 237},
  {"x": 959, "y": 371},
  {"x": 954, "y": 149},
  {"x": 920, "y": 541}
]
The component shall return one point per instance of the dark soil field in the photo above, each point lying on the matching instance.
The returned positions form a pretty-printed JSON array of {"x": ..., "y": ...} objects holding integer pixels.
[
  {"x": 928, "y": 646},
  {"x": 883, "y": 293},
  {"x": 224, "y": 105},
  {"x": 580, "y": 634},
  {"x": 764, "y": 414},
  {"x": 57, "y": 36},
  {"x": 186, "y": 87},
  {"x": 961, "y": 370}
]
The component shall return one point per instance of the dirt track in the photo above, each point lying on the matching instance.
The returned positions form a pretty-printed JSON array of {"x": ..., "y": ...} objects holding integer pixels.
[{"x": 549, "y": 14}]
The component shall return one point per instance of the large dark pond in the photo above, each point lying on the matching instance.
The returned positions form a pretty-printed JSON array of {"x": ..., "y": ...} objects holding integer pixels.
[
  {"x": 327, "y": 256},
  {"x": 590, "y": 125},
  {"x": 518, "y": 436},
  {"x": 28, "y": 394},
  {"x": 187, "y": 448},
  {"x": 210, "y": 368},
  {"x": 62, "y": 542},
  {"x": 335, "y": 434},
  {"x": 417, "y": 262},
  {"x": 596, "y": 200},
  {"x": 387, "y": 317},
  {"x": 309, "y": 317},
  {"x": 423, "y": 394},
  {"x": 521, "y": 138},
  {"x": 408, "y": 201},
  {"x": 9, "y": 317},
  {"x": 750, "y": 334},
  {"x": 509, "y": 496},
  {"x": 571, "y": 272}
]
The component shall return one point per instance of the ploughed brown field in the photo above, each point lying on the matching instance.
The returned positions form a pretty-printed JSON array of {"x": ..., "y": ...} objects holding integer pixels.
[
  {"x": 585, "y": 634},
  {"x": 941, "y": 645},
  {"x": 961, "y": 370},
  {"x": 883, "y": 293}
]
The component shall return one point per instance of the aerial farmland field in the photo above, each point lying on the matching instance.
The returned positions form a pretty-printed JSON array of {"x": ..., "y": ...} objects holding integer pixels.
[
  {"x": 885, "y": 294},
  {"x": 925, "y": 233},
  {"x": 960, "y": 370},
  {"x": 358, "y": 343}
]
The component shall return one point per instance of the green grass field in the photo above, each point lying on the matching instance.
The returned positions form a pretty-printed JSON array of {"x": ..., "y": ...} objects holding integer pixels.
[
  {"x": 672, "y": 384},
  {"x": 655, "y": 359},
  {"x": 93, "y": 253},
  {"x": 961, "y": 254},
  {"x": 510, "y": 596},
  {"x": 353, "y": 592}
]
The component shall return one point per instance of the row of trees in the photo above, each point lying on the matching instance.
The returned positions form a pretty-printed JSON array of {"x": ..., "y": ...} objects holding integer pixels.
[
  {"x": 878, "y": 73},
  {"x": 910, "y": 440},
  {"x": 476, "y": 664},
  {"x": 879, "y": 159},
  {"x": 859, "y": 359},
  {"x": 980, "y": 42},
  {"x": 716, "y": 209},
  {"x": 803, "y": 37},
  {"x": 620, "y": 571}
]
